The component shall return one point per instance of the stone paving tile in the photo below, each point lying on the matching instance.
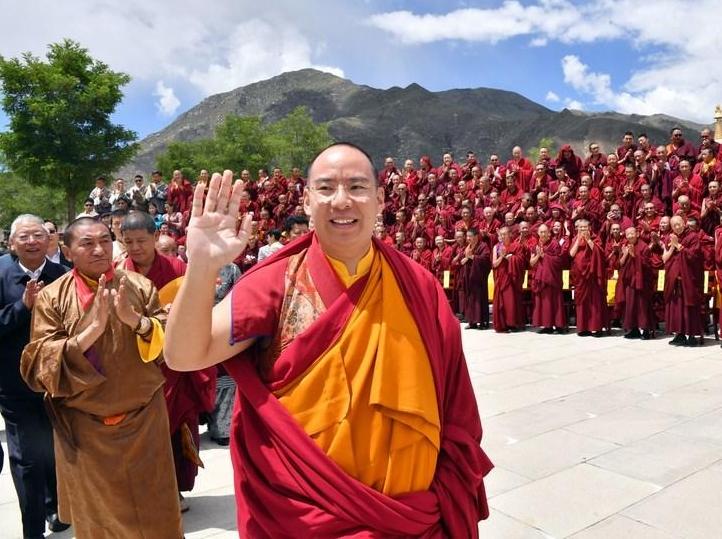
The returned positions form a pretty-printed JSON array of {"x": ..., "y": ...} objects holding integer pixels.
[
  {"x": 618, "y": 527},
  {"x": 690, "y": 401},
  {"x": 707, "y": 427},
  {"x": 549, "y": 453},
  {"x": 571, "y": 500},
  {"x": 661, "y": 459},
  {"x": 626, "y": 425},
  {"x": 689, "y": 508},
  {"x": 501, "y": 526},
  {"x": 584, "y": 432},
  {"x": 502, "y": 481}
]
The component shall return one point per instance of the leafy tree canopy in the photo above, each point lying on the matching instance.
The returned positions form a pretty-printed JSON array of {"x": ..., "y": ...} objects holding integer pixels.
[
  {"x": 60, "y": 132},
  {"x": 246, "y": 143}
]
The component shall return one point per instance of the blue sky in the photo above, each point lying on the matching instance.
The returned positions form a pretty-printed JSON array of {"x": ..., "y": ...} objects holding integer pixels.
[{"x": 607, "y": 55}]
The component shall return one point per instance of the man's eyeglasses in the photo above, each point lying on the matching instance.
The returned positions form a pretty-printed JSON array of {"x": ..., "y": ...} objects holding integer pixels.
[{"x": 37, "y": 236}]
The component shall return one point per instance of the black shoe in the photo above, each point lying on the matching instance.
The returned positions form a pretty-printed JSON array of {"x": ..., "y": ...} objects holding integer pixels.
[
  {"x": 55, "y": 525},
  {"x": 471, "y": 326},
  {"x": 634, "y": 334},
  {"x": 693, "y": 341},
  {"x": 545, "y": 331},
  {"x": 584, "y": 333},
  {"x": 222, "y": 441},
  {"x": 647, "y": 335},
  {"x": 598, "y": 334},
  {"x": 678, "y": 340},
  {"x": 562, "y": 331}
]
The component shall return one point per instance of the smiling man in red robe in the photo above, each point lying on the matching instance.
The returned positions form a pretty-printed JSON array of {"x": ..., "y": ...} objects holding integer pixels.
[
  {"x": 589, "y": 275},
  {"x": 355, "y": 412},
  {"x": 548, "y": 260},
  {"x": 683, "y": 263},
  {"x": 509, "y": 261},
  {"x": 636, "y": 276}
]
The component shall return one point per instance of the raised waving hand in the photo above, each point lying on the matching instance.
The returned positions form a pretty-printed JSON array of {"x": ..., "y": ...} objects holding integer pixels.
[{"x": 212, "y": 237}]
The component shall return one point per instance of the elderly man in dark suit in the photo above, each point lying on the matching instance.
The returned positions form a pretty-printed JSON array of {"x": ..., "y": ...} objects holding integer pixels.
[{"x": 23, "y": 273}]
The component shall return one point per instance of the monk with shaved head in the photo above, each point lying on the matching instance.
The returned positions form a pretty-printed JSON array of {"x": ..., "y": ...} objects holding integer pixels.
[
  {"x": 683, "y": 262},
  {"x": 548, "y": 259},
  {"x": 637, "y": 281}
]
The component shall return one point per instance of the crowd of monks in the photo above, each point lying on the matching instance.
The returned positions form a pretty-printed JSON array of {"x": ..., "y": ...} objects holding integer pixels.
[{"x": 593, "y": 237}]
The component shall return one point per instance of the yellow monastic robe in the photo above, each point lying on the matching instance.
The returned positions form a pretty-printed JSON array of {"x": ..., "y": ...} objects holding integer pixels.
[{"x": 379, "y": 418}]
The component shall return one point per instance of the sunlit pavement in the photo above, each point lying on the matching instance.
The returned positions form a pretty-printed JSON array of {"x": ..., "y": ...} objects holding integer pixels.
[{"x": 591, "y": 437}]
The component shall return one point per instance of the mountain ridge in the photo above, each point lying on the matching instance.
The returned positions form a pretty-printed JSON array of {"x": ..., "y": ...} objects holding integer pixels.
[{"x": 409, "y": 121}]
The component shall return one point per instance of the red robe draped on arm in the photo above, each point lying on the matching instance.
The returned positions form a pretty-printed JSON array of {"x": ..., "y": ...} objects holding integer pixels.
[
  {"x": 547, "y": 288},
  {"x": 683, "y": 287},
  {"x": 589, "y": 275},
  {"x": 187, "y": 394},
  {"x": 508, "y": 309},
  {"x": 637, "y": 278},
  {"x": 285, "y": 485},
  {"x": 475, "y": 273}
]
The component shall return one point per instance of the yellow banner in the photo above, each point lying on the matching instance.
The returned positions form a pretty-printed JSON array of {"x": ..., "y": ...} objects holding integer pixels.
[
  {"x": 611, "y": 288},
  {"x": 660, "y": 281},
  {"x": 525, "y": 284},
  {"x": 447, "y": 279},
  {"x": 490, "y": 286},
  {"x": 565, "y": 280}
]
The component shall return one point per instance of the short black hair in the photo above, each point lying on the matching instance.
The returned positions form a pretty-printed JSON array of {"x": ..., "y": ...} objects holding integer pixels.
[
  {"x": 294, "y": 220},
  {"x": 642, "y": 135},
  {"x": 100, "y": 178},
  {"x": 275, "y": 233},
  {"x": 89, "y": 200},
  {"x": 138, "y": 220},
  {"x": 156, "y": 172},
  {"x": 69, "y": 233},
  {"x": 350, "y": 145},
  {"x": 138, "y": 176},
  {"x": 628, "y": 133}
]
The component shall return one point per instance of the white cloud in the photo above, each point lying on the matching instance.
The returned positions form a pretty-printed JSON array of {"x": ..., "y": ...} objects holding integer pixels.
[
  {"x": 680, "y": 76},
  {"x": 167, "y": 102},
  {"x": 573, "y": 104},
  {"x": 176, "y": 41},
  {"x": 256, "y": 51},
  {"x": 551, "y": 97}
]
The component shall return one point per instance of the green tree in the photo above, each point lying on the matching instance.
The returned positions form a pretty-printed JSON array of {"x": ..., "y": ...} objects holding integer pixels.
[
  {"x": 18, "y": 196},
  {"x": 295, "y": 139},
  {"x": 61, "y": 135},
  {"x": 246, "y": 143},
  {"x": 544, "y": 142}
]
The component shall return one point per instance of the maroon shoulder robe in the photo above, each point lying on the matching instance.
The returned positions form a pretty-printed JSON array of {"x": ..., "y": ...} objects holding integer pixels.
[
  {"x": 476, "y": 273},
  {"x": 285, "y": 485},
  {"x": 683, "y": 283},
  {"x": 187, "y": 394},
  {"x": 637, "y": 280},
  {"x": 547, "y": 288},
  {"x": 508, "y": 311},
  {"x": 589, "y": 275}
]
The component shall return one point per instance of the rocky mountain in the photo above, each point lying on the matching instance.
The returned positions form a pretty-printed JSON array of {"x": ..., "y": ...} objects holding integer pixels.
[{"x": 408, "y": 122}]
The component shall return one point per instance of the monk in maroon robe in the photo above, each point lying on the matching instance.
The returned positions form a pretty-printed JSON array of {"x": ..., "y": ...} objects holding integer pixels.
[
  {"x": 589, "y": 275},
  {"x": 475, "y": 268},
  {"x": 187, "y": 394},
  {"x": 548, "y": 261},
  {"x": 509, "y": 262},
  {"x": 297, "y": 307},
  {"x": 637, "y": 280},
  {"x": 683, "y": 263}
]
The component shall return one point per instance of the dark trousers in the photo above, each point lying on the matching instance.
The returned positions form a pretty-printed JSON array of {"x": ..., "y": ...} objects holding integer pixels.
[{"x": 32, "y": 460}]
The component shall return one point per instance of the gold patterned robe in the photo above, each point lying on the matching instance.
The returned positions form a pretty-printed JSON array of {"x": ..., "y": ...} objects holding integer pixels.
[{"x": 114, "y": 460}]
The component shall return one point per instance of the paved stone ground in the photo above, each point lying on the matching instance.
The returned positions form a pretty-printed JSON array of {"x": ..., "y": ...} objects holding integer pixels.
[{"x": 592, "y": 438}]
